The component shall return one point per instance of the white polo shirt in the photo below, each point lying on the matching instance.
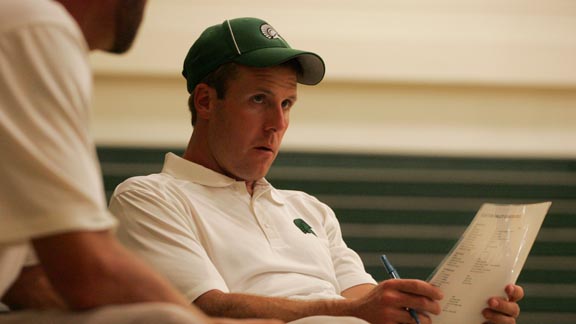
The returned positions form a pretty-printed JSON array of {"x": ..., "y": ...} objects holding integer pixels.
[{"x": 203, "y": 231}]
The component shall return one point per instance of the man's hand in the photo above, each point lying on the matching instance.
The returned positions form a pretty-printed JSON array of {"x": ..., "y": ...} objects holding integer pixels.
[
  {"x": 388, "y": 302},
  {"x": 502, "y": 311}
]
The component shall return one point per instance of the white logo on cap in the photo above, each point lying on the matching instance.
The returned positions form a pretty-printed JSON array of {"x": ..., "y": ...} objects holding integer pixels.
[{"x": 269, "y": 32}]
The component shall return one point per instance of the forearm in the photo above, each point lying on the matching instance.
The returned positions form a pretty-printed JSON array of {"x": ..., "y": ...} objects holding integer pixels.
[
  {"x": 358, "y": 291},
  {"x": 217, "y": 303},
  {"x": 32, "y": 290},
  {"x": 91, "y": 269}
]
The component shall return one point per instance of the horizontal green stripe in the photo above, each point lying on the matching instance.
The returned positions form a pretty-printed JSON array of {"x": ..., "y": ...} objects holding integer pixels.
[
  {"x": 422, "y": 175},
  {"x": 408, "y": 217},
  {"x": 108, "y": 194},
  {"x": 441, "y": 246},
  {"x": 553, "y": 248},
  {"x": 155, "y": 156},
  {"x": 400, "y": 245},
  {"x": 111, "y": 181},
  {"x": 134, "y": 154},
  {"x": 432, "y": 217},
  {"x": 547, "y": 317},
  {"x": 544, "y": 304},
  {"x": 549, "y": 276},
  {"x": 541, "y": 192},
  {"x": 380, "y": 274},
  {"x": 285, "y": 158},
  {"x": 419, "y": 217},
  {"x": 421, "y": 162}
]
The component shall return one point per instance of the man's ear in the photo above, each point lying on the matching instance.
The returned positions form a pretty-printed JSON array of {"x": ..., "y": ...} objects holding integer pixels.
[{"x": 204, "y": 100}]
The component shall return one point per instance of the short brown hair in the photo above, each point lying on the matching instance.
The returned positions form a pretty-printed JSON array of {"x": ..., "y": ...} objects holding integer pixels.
[{"x": 219, "y": 78}]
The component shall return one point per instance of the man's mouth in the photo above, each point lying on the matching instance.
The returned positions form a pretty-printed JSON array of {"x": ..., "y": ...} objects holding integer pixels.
[{"x": 264, "y": 148}]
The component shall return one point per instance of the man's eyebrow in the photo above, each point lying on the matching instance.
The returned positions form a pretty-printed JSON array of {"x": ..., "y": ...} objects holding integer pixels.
[{"x": 268, "y": 92}]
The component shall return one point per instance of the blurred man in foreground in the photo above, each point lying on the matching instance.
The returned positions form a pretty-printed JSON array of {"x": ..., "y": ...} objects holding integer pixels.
[{"x": 52, "y": 203}]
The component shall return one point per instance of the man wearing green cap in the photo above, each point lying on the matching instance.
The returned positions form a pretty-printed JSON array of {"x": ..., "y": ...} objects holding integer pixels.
[{"x": 232, "y": 243}]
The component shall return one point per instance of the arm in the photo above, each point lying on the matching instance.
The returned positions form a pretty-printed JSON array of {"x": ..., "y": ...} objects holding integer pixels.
[
  {"x": 90, "y": 269},
  {"x": 32, "y": 290},
  {"x": 357, "y": 291},
  {"x": 218, "y": 303},
  {"x": 384, "y": 303}
]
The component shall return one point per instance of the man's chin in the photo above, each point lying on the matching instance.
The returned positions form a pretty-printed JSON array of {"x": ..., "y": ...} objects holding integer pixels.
[
  {"x": 255, "y": 175},
  {"x": 129, "y": 14}
]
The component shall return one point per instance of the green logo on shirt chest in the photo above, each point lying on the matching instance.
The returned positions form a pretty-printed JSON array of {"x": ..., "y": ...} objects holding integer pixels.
[{"x": 303, "y": 226}]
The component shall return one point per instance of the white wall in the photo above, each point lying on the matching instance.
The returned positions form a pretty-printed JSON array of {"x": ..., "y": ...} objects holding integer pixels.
[{"x": 443, "y": 77}]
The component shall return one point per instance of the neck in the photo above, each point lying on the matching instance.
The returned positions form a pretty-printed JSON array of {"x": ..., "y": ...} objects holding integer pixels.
[{"x": 194, "y": 153}]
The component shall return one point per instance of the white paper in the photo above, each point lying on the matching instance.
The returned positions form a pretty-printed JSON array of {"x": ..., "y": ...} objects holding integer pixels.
[{"x": 489, "y": 255}]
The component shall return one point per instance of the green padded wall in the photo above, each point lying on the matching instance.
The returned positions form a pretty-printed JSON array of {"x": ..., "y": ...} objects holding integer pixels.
[{"x": 414, "y": 208}]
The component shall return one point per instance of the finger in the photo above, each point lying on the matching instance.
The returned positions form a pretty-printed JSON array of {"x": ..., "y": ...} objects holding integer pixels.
[
  {"x": 423, "y": 318},
  {"x": 514, "y": 292},
  {"x": 395, "y": 292},
  {"x": 494, "y": 317},
  {"x": 402, "y": 315},
  {"x": 504, "y": 307},
  {"x": 416, "y": 287},
  {"x": 420, "y": 304}
]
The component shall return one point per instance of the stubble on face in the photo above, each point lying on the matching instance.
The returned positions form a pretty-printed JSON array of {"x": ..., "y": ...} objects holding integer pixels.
[{"x": 128, "y": 17}]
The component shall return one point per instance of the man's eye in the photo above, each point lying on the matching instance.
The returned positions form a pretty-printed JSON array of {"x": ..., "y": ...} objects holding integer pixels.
[
  {"x": 258, "y": 99},
  {"x": 286, "y": 104}
]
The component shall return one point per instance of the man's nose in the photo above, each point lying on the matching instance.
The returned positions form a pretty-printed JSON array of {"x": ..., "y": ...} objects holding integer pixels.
[{"x": 277, "y": 118}]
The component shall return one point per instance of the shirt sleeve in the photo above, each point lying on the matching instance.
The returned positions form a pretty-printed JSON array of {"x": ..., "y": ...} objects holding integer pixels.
[
  {"x": 157, "y": 227},
  {"x": 348, "y": 266},
  {"x": 51, "y": 181}
]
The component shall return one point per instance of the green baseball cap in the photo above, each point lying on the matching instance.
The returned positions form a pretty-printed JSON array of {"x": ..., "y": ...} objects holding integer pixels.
[{"x": 250, "y": 42}]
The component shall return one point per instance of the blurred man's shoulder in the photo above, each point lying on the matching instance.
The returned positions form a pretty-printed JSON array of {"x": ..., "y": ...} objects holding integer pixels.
[{"x": 27, "y": 13}]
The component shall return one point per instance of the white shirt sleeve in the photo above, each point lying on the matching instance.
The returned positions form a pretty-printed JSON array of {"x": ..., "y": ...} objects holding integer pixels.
[
  {"x": 51, "y": 181},
  {"x": 347, "y": 264},
  {"x": 157, "y": 227}
]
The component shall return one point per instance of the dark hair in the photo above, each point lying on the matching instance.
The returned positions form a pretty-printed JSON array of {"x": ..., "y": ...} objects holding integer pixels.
[{"x": 219, "y": 78}]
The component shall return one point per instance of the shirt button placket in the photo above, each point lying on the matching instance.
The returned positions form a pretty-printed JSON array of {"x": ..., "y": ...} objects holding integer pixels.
[{"x": 264, "y": 221}]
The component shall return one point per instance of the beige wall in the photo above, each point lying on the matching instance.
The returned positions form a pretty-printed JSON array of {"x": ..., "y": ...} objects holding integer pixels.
[{"x": 476, "y": 77}]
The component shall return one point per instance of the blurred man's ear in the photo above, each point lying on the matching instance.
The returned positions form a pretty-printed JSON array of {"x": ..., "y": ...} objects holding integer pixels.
[{"x": 204, "y": 100}]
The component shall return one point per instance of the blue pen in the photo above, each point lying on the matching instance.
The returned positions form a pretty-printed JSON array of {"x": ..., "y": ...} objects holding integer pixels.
[{"x": 394, "y": 274}]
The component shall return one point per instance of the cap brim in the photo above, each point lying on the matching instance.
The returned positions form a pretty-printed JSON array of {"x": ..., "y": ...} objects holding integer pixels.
[{"x": 313, "y": 68}]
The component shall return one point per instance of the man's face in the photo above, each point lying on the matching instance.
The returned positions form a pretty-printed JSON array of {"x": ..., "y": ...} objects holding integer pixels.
[
  {"x": 127, "y": 19},
  {"x": 247, "y": 126}
]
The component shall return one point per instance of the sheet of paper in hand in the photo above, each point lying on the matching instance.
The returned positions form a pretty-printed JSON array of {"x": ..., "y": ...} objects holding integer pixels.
[{"x": 489, "y": 255}]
